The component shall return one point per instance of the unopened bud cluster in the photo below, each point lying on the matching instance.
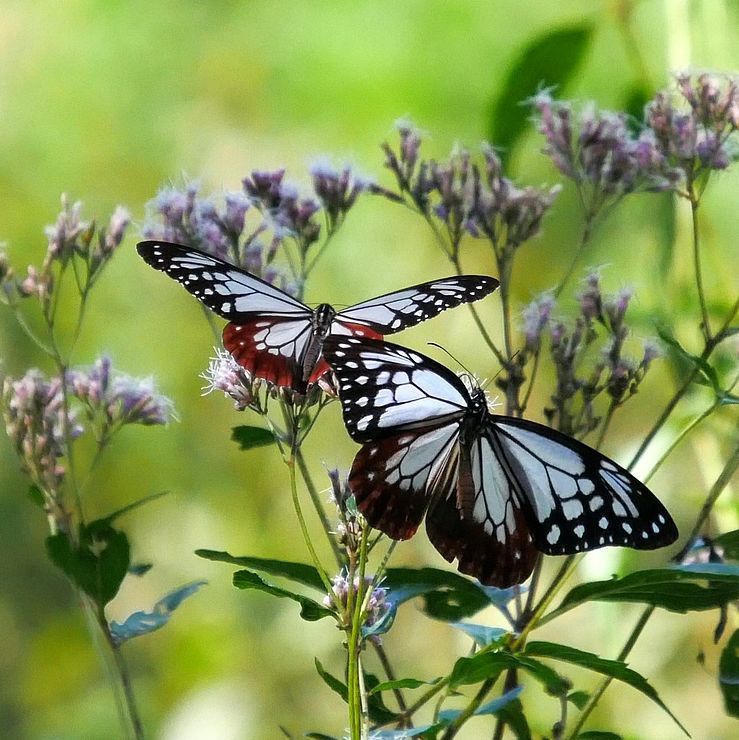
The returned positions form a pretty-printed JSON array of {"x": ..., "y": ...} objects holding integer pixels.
[
  {"x": 467, "y": 197},
  {"x": 376, "y": 603},
  {"x": 349, "y": 526},
  {"x": 600, "y": 328}
]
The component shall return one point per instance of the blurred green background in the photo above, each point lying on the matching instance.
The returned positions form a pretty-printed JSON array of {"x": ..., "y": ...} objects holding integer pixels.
[{"x": 108, "y": 101}]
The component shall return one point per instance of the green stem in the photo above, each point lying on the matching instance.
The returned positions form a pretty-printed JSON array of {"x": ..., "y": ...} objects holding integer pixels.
[
  {"x": 705, "y": 321},
  {"x": 356, "y": 699},
  {"x": 470, "y": 709},
  {"x": 290, "y": 462},
  {"x": 587, "y": 232},
  {"x": 315, "y": 498}
]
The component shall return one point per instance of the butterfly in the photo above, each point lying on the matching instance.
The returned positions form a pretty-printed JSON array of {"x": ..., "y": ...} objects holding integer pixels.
[
  {"x": 276, "y": 337},
  {"x": 495, "y": 490}
]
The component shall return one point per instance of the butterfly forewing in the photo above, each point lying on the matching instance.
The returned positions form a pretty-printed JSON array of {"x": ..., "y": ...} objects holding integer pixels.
[
  {"x": 580, "y": 500},
  {"x": 227, "y": 290},
  {"x": 396, "y": 311},
  {"x": 385, "y": 388}
]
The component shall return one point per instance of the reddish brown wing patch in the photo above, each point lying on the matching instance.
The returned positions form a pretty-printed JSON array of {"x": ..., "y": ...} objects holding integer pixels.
[
  {"x": 277, "y": 363},
  {"x": 342, "y": 328},
  {"x": 393, "y": 478},
  {"x": 478, "y": 553}
]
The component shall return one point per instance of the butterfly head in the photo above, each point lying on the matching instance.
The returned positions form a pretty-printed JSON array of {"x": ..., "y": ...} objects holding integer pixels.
[{"x": 321, "y": 320}]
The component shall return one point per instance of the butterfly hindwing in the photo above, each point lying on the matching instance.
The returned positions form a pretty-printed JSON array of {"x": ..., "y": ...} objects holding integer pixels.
[
  {"x": 270, "y": 348},
  {"x": 394, "y": 478},
  {"x": 496, "y": 488},
  {"x": 230, "y": 292},
  {"x": 580, "y": 499},
  {"x": 402, "y": 309},
  {"x": 489, "y": 534}
]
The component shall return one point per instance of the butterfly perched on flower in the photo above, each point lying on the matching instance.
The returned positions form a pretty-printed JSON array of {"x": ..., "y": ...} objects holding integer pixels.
[
  {"x": 279, "y": 339},
  {"x": 494, "y": 489}
]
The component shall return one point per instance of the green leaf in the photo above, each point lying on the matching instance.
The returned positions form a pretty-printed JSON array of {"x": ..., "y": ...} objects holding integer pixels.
[
  {"x": 729, "y": 541},
  {"x": 36, "y": 495},
  {"x": 598, "y": 735},
  {"x": 550, "y": 60},
  {"x": 139, "y": 569},
  {"x": 707, "y": 374},
  {"x": 310, "y": 610},
  {"x": 728, "y": 675},
  {"x": 481, "y": 634},
  {"x": 613, "y": 668},
  {"x": 553, "y": 683},
  {"x": 338, "y": 687},
  {"x": 402, "y": 683},
  {"x": 578, "y": 698},
  {"x": 250, "y": 437},
  {"x": 141, "y": 623},
  {"x": 681, "y": 588},
  {"x": 480, "y": 667},
  {"x": 98, "y": 564},
  {"x": 447, "y": 596},
  {"x": 298, "y": 572},
  {"x": 378, "y": 712}
]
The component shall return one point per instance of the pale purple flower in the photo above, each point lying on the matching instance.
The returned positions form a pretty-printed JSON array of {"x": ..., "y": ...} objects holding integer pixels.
[
  {"x": 226, "y": 375},
  {"x": 377, "y": 604}
]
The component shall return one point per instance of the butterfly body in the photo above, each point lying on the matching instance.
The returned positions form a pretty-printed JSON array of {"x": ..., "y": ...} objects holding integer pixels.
[
  {"x": 278, "y": 338},
  {"x": 494, "y": 489}
]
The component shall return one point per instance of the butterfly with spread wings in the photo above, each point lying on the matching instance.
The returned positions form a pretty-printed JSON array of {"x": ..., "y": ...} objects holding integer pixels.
[
  {"x": 279, "y": 339},
  {"x": 494, "y": 489}
]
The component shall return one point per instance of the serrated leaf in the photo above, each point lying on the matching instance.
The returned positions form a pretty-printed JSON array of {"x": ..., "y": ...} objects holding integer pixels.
[
  {"x": 553, "y": 683},
  {"x": 550, "y": 60},
  {"x": 613, "y": 668},
  {"x": 98, "y": 564},
  {"x": 141, "y": 623},
  {"x": 310, "y": 610},
  {"x": 480, "y": 633},
  {"x": 681, "y": 588},
  {"x": 447, "y": 596},
  {"x": 297, "y": 572},
  {"x": 402, "y": 683},
  {"x": 728, "y": 675},
  {"x": 248, "y": 437}
]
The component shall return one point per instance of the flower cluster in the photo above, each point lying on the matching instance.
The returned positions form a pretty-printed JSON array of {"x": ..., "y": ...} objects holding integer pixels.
[
  {"x": 226, "y": 375},
  {"x": 612, "y": 372},
  {"x": 69, "y": 238},
  {"x": 112, "y": 399},
  {"x": 465, "y": 196},
  {"x": 599, "y": 151},
  {"x": 376, "y": 603},
  {"x": 36, "y": 423},
  {"x": 41, "y": 424},
  {"x": 695, "y": 126},
  {"x": 280, "y": 216}
]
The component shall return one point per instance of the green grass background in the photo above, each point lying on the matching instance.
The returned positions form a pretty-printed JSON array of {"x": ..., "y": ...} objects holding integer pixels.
[{"x": 108, "y": 101}]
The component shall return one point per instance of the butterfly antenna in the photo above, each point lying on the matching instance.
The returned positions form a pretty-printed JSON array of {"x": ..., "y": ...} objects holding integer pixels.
[
  {"x": 444, "y": 349},
  {"x": 488, "y": 381}
]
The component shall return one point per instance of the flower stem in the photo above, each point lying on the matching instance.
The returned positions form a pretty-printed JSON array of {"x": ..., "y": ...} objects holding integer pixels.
[
  {"x": 315, "y": 498},
  {"x": 357, "y": 702},
  {"x": 705, "y": 321}
]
